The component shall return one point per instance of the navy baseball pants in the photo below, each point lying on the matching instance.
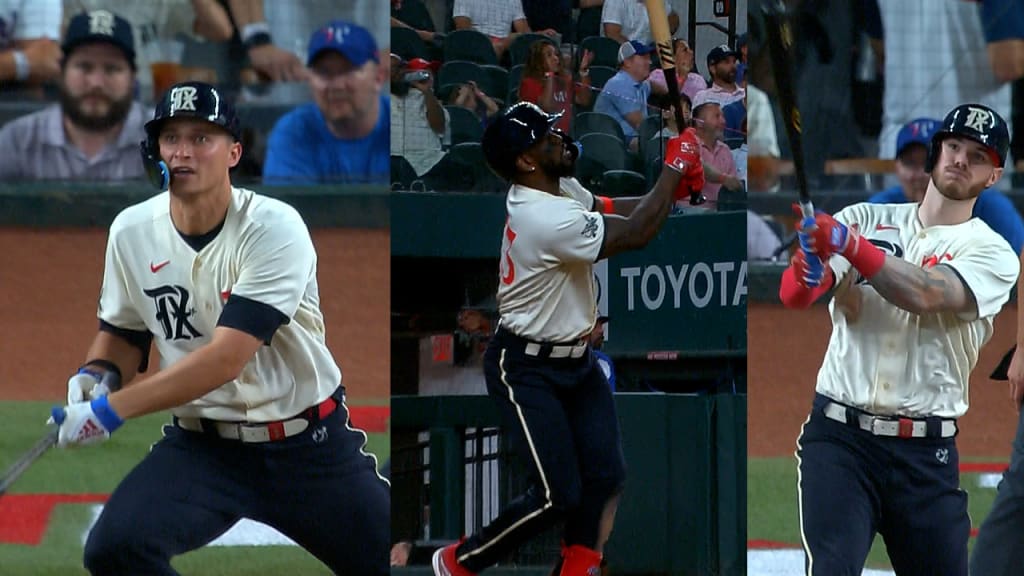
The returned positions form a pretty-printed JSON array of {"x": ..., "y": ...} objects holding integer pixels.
[
  {"x": 999, "y": 549},
  {"x": 853, "y": 484},
  {"x": 560, "y": 416},
  {"x": 320, "y": 490}
]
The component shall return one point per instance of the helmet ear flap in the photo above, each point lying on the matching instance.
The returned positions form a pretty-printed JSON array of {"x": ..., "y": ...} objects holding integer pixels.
[
  {"x": 156, "y": 169},
  {"x": 933, "y": 153}
]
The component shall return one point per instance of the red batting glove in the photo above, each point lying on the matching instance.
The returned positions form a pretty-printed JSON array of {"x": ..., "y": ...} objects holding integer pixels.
[
  {"x": 825, "y": 236},
  {"x": 682, "y": 152}
]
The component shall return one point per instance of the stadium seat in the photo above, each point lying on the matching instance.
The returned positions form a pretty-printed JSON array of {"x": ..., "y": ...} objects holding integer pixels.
[
  {"x": 598, "y": 122},
  {"x": 606, "y": 50},
  {"x": 402, "y": 173},
  {"x": 622, "y": 183},
  {"x": 515, "y": 76},
  {"x": 588, "y": 23},
  {"x": 464, "y": 126},
  {"x": 601, "y": 152},
  {"x": 407, "y": 43},
  {"x": 599, "y": 75},
  {"x": 496, "y": 83},
  {"x": 415, "y": 14},
  {"x": 469, "y": 45},
  {"x": 459, "y": 72},
  {"x": 521, "y": 46},
  {"x": 649, "y": 129},
  {"x": 470, "y": 156}
]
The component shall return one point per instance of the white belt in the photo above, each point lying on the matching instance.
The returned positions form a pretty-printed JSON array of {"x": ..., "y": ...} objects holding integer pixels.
[
  {"x": 249, "y": 433},
  {"x": 885, "y": 426},
  {"x": 566, "y": 351}
]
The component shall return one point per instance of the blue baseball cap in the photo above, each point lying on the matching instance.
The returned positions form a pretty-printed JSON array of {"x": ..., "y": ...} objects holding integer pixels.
[
  {"x": 918, "y": 131},
  {"x": 350, "y": 40},
  {"x": 632, "y": 48}
]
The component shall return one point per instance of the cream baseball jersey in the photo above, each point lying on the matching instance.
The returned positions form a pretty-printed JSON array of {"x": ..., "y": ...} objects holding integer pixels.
[
  {"x": 886, "y": 360},
  {"x": 155, "y": 281},
  {"x": 546, "y": 280}
]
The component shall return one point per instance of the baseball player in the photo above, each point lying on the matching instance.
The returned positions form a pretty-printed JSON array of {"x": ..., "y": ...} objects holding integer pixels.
[
  {"x": 556, "y": 406},
  {"x": 917, "y": 286},
  {"x": 224, "y": 280}
]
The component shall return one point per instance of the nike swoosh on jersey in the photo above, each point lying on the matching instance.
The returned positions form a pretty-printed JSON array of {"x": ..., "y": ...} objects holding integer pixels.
[
  {"x": 154, "y": 268},
  {"x": 884, "y": 227}
]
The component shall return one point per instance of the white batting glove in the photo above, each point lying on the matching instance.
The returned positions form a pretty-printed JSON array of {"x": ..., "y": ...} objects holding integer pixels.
[
  {"x": 85, "y": 387},
  {"x": 85, "y": 423}
]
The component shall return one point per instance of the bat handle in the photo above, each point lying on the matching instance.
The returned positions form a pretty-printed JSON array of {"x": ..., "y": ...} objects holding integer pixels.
[{"x": 807, "y": 209}]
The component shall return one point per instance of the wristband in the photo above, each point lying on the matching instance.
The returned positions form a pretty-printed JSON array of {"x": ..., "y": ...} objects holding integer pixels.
[
  {"x": 110, "y": 420},
  {"x": 252, "y": 29},
  {"x": 607, "y": 206},
  {"x": 867, "y": 258},
  {"x": 110, "y": 376},
  {"x": 21, "y": 66}
]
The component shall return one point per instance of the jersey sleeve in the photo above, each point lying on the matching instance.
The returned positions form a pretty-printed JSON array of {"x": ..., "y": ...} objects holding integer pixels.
[
  {"x": 989, "y": 270},
  {"x": 575, "y": 234},
  {"x": 277, "y": 263},
  {"x": 116, "y": 306},
  {"x": 577, "y": 191},
  {"x": 611, "y": 13}
]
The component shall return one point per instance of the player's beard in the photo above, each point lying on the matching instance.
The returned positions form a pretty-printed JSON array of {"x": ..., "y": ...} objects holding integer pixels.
[
  {"x": 117, "y": 111},
  {"x": 957, "y": 190}
]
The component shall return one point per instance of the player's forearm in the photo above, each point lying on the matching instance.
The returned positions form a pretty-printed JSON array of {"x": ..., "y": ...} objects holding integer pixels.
[
  {"x": 626, "y": 206},
  {"x": 921, "y": 290},
  {"x": 197, "y": 374},
  {"x": 107, "y": 346},
  {"x": 212, "y": 21},
  {"x": 246, "y": 11},
  {"x": 651, "y": 210}
]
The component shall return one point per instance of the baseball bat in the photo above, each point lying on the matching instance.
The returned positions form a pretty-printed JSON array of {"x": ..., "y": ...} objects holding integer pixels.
[
  {"x": 780, "y": 47},
  {"x": 663, "y": 41},
  {"x": 14, "y": 471}
]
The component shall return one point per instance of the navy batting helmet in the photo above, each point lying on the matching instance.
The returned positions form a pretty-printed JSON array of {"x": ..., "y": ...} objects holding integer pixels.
[
  {"x": 977, "y": 122},
  {"x": 514, "y": 131},
  {"x": 186, "y": 100}
]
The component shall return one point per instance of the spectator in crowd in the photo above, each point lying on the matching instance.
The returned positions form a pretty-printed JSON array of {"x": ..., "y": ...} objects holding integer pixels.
[
  {"x": 668, "y": 117},
  {"x": 29, "y": 32},
  {"x": 469, "y": 96},
  {"x": 714, "y": 153},
  {"x": 625, "y": 20},
  {"x": 722, "y": 67},
  {"x": 762, "y": 242},
  {"x": 155, "y": 26},
  {"x": 741, "y": 66},
  {"x": 494, "y": 19},
  {"x": 94, "y": 132},
  {"x": 912, "y": 144},
  {"x": 418, "y": 124},
  {"x": 596, "y": 338},
  {"x": 762, "y": 142},
  {"x": 343, "y": 135},
  {"x": 396, "y": 7},
  {"x": 625, "y": 94},
  {"x": 735, "y": 113},
  {"x": 686, "y": 75},
  {"x": 268, "y": 60},
  {"x": 548, "y": 84}
]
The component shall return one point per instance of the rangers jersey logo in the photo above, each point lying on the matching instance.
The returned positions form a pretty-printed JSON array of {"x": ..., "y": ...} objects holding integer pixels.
[
  {"x": 173, "y": 312},
  {"x": 979, "y": 119},
  {"x": 183, "y": 98},
  {"x": 590, "y": 228}
]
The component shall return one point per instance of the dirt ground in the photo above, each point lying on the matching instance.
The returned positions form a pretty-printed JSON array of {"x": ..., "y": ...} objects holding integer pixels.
[
  {"x": 785, "y": 349},
  {"x": 49, "y": 284}
]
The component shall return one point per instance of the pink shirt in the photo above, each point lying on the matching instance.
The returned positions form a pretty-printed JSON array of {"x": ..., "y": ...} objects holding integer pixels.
[
  {"x": 718, "y": 94},
  {"x": 719, "y": 158}
]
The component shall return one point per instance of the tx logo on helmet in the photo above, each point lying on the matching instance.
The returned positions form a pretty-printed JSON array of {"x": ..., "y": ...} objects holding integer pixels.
[
  {"x": 977, "y": 118},
  {"x": 183, "y": 98}
]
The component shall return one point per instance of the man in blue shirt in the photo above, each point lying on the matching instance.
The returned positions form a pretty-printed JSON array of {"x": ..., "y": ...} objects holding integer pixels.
[
  {"x": 345, "y": 134},
  {"x": 992, "y": 206},
  {"x": 624, "y": 96}
]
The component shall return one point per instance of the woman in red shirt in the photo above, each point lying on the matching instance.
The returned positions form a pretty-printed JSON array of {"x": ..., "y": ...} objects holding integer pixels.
[{"x": 548, "y": 84}]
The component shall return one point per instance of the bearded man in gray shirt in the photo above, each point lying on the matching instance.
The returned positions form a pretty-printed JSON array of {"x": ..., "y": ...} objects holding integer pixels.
[{"x": 94, "y": 132}]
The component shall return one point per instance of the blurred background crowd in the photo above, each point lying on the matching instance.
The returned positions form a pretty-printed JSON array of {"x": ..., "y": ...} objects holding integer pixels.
[{"x": 79, "y": 78}]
